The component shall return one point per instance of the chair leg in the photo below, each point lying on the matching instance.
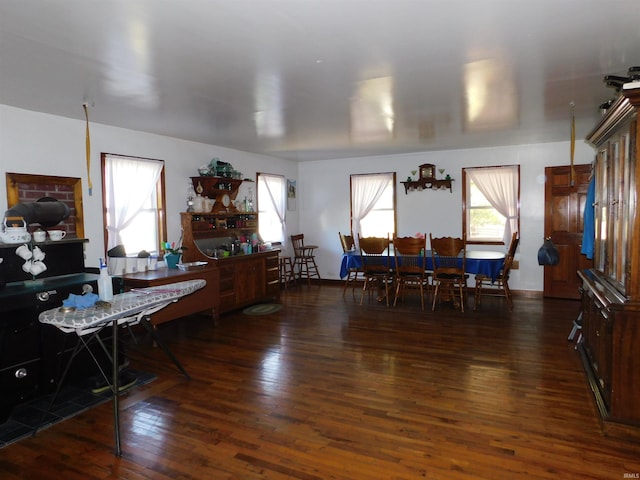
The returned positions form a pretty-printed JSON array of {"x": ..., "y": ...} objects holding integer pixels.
[
  {"x": 507, "y": 294},
  {"x": 398, "y": 287},
  {"x": 477, "y": 293},
  {"x": 315, "y": 268},
  {"x": 352, "y": 277},
  {"x": 346, "y": 284},
  {"x": 364, "y": 289},
  {"x": 435, "y": 295}
]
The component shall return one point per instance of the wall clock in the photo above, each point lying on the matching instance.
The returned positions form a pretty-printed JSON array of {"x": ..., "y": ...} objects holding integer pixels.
[{"x": 427, "y": 171}]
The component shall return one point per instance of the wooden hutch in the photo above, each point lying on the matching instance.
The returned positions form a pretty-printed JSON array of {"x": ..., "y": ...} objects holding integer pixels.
[
  {"x": 610, "y": 349},
  {"x": 233, "y": 281},
  {"x": 244, "y": 278}
]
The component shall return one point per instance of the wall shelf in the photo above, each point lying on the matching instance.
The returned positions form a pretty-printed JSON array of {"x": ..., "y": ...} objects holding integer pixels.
[{"x": 428, "y": 184}]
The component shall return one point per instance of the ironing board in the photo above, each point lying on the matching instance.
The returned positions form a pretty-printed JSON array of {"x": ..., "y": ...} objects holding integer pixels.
[{"x": 129, "y": 308}]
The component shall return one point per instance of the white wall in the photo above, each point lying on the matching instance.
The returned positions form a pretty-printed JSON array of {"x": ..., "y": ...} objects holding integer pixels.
[
  {"x": 323, "y": 191},
  {"x": 37, "y": 143}
]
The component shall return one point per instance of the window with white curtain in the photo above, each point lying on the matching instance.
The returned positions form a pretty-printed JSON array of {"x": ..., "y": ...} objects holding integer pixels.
[
  {"x": 272, "y": 207},
  {"x": 491, "y": 203},
  {"x": 373, "y": 205},
  {"x": 133, "y": 196}
]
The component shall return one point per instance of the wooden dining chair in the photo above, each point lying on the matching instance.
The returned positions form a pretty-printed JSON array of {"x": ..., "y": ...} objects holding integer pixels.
[
  {"x": 304, "y": 260},
  {"x": 353, "y": 273},
  {"x": 409, "y": 254},
  {"x": 376, "y": 266},
  {"x": 449, "y": 278},
  {"x": 500, "y": 286}
]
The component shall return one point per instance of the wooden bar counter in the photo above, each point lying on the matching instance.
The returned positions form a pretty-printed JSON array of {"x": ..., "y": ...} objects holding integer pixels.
[{"x": 232, "y": 283}]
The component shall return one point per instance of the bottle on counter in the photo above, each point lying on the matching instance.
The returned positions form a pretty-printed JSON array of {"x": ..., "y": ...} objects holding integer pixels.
[{"x": 105, "y": 285}]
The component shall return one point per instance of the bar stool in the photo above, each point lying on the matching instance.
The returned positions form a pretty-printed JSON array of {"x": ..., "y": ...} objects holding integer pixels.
[
  {"x": 286, "y": 271},
  {"x": 304, "y": 261}
]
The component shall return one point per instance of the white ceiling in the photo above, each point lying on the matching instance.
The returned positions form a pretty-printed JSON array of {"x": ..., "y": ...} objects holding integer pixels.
[{"x": 318, "y": 79}]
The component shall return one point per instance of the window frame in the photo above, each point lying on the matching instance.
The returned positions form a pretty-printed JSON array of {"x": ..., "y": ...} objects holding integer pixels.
[
  {"x": 395, "y": 203},
  {"x": 161, "y": 212},
  {"x": 465, "y": 205}
]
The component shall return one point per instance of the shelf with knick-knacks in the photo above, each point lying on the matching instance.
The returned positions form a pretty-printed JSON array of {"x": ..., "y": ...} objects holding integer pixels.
[
  {"x": 218, "y": 194},
  {"x": 427, "y": 179}
]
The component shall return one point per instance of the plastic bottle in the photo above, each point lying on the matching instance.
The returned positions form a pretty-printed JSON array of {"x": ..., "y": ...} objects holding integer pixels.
[{"x": 105, "y": 286}]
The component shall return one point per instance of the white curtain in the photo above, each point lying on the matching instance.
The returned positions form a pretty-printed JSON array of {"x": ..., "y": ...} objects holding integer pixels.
[
  {"x": 366, "y": 190},
  {"x": 274, "y": 186},
  {"x": 499, "y": 185},
  {"x": 129, "y": 182}
]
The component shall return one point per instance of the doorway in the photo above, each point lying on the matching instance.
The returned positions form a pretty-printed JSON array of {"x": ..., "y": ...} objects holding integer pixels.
[{"x": 564, "y": 223}]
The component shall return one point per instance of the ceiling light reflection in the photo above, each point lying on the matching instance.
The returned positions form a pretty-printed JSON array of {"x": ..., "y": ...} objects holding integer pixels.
[
  {"x": 490, "y": 95},
  {"x": 128, "y": 65},
  {"x": 372, "y": 114},
  {"x": 268, "y": 115}
]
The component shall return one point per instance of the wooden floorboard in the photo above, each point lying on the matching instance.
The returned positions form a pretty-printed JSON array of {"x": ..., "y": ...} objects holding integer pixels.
[{"x": 328, "y": 389}]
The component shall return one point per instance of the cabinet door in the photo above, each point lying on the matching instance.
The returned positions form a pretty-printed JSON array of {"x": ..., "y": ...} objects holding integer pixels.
[
  {"x": 250, "y": 282},
  {"x": 613, "y": 209}
]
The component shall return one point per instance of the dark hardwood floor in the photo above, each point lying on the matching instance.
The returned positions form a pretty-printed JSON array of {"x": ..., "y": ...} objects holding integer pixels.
[{"x": 329, "y": 389}]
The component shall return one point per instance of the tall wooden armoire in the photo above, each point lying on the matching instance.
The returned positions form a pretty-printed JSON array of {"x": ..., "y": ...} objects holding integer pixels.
[{"x": 610, "y": 349}]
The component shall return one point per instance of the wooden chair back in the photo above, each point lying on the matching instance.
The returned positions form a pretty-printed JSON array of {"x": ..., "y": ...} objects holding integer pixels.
[
  {"x": 297, "y": 243},
  {"x": 374, "y": 252},
  {"x": 508, "y": 259},
  {"x": 347, "y": 242},
  {"x": 446, "y": 254},
  {"x": 409, "y": 253}
]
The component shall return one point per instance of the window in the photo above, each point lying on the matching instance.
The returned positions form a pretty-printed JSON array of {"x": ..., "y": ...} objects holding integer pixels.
[
  {"x": 133, "y": 198},
  {"x": 491, "y": 203},
  {"x": 373, "y": 205},
  {"x": 271, "y": 207}
]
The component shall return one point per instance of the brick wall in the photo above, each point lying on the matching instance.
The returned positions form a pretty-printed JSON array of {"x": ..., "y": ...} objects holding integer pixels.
[{"x": 31, "y": 192}]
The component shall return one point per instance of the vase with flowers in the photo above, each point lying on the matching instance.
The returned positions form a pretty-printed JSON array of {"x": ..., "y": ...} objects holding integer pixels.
[{"x": 172, "y": 254}]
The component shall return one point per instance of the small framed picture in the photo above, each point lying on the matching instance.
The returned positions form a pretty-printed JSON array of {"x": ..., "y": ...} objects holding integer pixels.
[{"x": 291, "y": 189}]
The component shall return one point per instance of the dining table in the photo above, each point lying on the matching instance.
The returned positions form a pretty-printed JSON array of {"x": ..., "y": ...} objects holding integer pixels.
[{"x": 485, "y": 262}]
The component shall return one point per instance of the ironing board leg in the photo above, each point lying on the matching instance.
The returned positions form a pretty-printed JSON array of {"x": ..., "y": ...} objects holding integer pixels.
[
  {"x": 154, "y": 334},
  {"x": 116, "y": 390}
]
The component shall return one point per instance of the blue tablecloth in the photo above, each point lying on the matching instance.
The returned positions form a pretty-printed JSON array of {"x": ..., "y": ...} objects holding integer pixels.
[{"x": 478, "y": 261}]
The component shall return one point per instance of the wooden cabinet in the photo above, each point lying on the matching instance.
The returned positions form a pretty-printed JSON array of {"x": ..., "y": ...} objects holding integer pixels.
[
  {"x": 611, "y": 290},
  {"x": 243, "y": 279}
]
